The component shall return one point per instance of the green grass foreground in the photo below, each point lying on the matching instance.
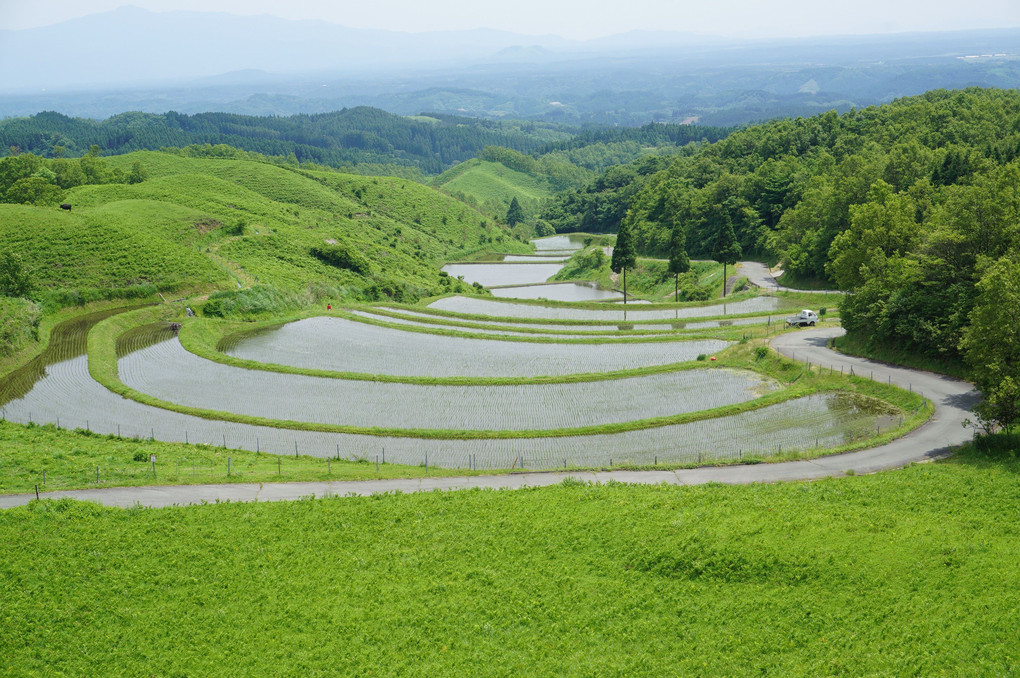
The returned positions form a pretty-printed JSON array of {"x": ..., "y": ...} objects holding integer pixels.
[
  {"x": 910, "y": 572},
  {"x": 58, "y": 459}
]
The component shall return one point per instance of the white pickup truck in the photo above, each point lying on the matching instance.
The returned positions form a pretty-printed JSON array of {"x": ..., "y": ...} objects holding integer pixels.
[{"x": 805, "y": 317}]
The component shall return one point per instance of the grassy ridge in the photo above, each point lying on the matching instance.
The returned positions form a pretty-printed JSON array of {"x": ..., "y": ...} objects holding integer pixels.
[
  {"x": 493, "y": 185},
  {"x": 906, "y": 572}
]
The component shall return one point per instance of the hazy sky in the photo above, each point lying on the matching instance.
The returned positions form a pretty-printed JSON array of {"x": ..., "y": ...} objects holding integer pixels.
[{"x": 579, "y": 19}]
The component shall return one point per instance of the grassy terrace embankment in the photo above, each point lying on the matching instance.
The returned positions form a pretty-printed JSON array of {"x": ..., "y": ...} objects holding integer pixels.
[{"x": 799, "y": 381}]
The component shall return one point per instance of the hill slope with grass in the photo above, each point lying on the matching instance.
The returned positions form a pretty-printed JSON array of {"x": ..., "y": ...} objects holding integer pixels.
[{"x": 224, "y": 223}]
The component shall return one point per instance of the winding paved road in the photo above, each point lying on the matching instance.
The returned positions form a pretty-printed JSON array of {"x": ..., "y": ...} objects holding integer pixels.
[
  {"x": 760, "y": 275},
  {"x": 953, "y": 400}
]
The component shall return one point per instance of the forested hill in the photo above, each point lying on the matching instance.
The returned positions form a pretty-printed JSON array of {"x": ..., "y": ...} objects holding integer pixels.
[
  {"x": 430, "y": 143},
  {"x": 341, "y": 138},
  {"x": 913, "y": 207}
]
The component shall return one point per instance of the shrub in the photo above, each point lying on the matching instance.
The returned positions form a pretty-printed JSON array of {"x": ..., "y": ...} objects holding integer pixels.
[
  {"x": 701, "y": 356},
  {"x": 760, "y": 353},
  {"x": 342, "y": 256},
  {"x": 19, "y": 324}
]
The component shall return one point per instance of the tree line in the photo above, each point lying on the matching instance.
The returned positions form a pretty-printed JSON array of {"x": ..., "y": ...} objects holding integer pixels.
[
  {"x": 912, "y": 207},
  {"x": 28, "y": 179},
  {"x": 337, "y": 139}
]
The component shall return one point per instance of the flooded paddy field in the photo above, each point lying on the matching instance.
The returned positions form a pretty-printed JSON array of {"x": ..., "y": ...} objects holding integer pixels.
[
  {"x": 344, "y": 345},
  {"x": 494, "y": 275},
  {"x": 503, "y": 331},
  {"x": 560, "y": 244},
  {"x": 168, "y": 372},
  {"x": 508, "y": 309},
  {"x": 567, "y": 291},
  {"x": 68, "y": 396},
  {"x": 659, "y": 326},
  {"x": 536, "y": 258}
]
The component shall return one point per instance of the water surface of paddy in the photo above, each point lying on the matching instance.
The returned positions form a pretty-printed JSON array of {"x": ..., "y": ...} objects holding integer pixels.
[
  {"x": 167, "y": 371},
  {"x": 496, "y": 274},
  {"x": 507, "y": 309},
  {"x": 344, "y": 345},
  {"x": 567, "y": 291}
]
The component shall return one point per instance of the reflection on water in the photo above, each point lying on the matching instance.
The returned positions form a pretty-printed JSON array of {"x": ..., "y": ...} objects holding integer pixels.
[
  {"x": 67, "y": 341},
  {"x": 496, "y": 274},
  {"x": 569, "y": 291},
  {"x": 560, "y": 243},
  {"x": 504, "y": 309}
]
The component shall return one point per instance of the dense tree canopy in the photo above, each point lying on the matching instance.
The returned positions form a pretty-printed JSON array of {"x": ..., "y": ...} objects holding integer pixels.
[{"x": 912, "y": 207}]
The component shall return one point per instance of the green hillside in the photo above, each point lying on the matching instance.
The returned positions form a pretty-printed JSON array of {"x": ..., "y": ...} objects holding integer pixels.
[
  {"x": 203, "y": 223},
  {"x": 491, "y": 186}
]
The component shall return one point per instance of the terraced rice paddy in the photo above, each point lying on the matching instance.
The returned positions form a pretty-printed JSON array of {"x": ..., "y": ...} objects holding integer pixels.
[
  {"x": 57, "y": 388},
  {"x": 558, "y": 292},
  {"x": 559, "y": 244},
  {"x": 68, "y": 396},
  {"x": 508, "y": 309},
  {"x": 343, "y": 345},
  {"x": 170, "y": 373},
  {"x": 535, "y": 258},
  {"x": 494, "y": 275},
  {"x": 659, "y": 326},
  {"x": 501, "y": 331}
]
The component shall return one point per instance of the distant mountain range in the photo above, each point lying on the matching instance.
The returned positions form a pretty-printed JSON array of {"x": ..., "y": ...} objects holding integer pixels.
[
  {"x": 132, "y": 59},
  {"x": 132, "y": 46}
]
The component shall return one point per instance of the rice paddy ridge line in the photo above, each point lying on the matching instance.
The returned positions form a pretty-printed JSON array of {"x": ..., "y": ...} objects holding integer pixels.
[
  {"x": 601, "y": 305},
  {"x": 203, "y": 350},
  {"x": 458, "y": 315},
  {"x": 423, "y": 320},
  {"x": 118, "y": 387},
  {"x": 102, "y": 357},
  {"x": 439, "y": 331},
  {"x": 449, "y": 318},
  {"x": 448, "y": 329}
]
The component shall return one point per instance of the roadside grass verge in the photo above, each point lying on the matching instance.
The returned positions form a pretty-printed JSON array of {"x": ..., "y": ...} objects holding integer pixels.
[
  {"x": 904, "y": 572},
  {"x": 852, "y": 345},
  {"x": 58, "y": 459}
]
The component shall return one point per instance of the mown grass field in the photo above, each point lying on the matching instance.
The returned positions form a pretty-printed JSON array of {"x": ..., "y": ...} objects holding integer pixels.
[{"x": 910, "y": 572}]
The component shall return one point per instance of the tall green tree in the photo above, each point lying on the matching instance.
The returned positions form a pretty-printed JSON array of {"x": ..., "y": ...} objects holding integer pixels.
[
  {"x": 514, "y": 215},
  {"x": 726, "y": 250},
  {"x": 991, "y": 343},
  {"x": 624, "y": 254},
  {"x": 679, "y": 263}
]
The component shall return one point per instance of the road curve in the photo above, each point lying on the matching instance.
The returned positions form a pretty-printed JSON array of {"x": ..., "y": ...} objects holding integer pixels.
[
  {"x": 952, "y": 398},
  {"x": 760, "y": 275}
]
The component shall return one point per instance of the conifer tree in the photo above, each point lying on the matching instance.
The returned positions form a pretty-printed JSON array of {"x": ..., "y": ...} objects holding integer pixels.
[
  {"x": 515, "y": 214},
  {"x": 678, "y": 260},
  {"x": 624, "y": 254},
  {"x": 727, "y": 249}
]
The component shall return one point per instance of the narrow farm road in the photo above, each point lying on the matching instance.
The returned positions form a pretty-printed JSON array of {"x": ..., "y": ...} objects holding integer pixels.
[
  {"x": 760, "y": 275},
  {"x": 936, "y": 438}
]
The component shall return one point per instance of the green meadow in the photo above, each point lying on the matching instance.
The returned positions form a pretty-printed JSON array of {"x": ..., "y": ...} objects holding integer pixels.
[{"x": 911, "y": 572}]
